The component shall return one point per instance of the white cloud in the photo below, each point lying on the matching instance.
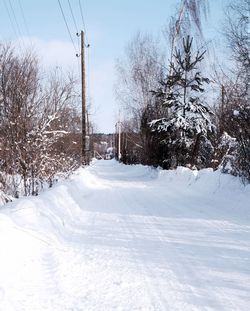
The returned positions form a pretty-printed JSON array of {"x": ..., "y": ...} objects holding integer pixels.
[
  {"x": 56, "y": 53},
  {"x": 51, "y": 53}
]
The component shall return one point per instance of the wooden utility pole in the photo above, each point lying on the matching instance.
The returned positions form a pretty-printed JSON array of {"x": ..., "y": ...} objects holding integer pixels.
[
  {"x": 84, "y": 159},
  {"x": 119, "y": 141},
  {"x": 87, "y": 143}
]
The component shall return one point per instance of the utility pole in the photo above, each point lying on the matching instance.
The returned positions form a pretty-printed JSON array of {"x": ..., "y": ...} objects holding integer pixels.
[
  {"x": 83, "y": 100},
  {"x": 116, "y": 141},
  {"x": 85, "y": 159},
  {"x": 119, "y": 141},
  {"x": 87, "y": 143}
]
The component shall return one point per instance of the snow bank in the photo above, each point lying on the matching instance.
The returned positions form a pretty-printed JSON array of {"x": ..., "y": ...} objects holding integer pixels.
[
  {"x": 62, "y": 207},
  {"x": 58, "y": 211},
  {"x": 64, "y": 249},
  {"x": 206, "y": 180}
]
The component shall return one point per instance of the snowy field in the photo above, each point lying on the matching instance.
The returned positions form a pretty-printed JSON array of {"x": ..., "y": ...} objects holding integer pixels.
[{"x": 124, "y": 238}]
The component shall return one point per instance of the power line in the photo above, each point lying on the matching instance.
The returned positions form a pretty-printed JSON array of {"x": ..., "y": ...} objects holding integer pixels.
[
  {"x": 74, "y": 21},
  {"x": 14, "y": 23},
  {"x": 10, "y": 18},
  {"x": 67, "y": 26},
  {"x": 88, "y": 74},
  {"x": 24, "y": 19},
  {"x": 15, "y": 19},
  {"x": 73, "y": 17},
  {"x": 83, "y": 22},
  {"x": 87, "y": 46}
]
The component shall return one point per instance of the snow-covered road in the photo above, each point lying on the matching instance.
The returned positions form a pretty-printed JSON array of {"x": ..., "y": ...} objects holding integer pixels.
[{"x": 128, "y": 238}]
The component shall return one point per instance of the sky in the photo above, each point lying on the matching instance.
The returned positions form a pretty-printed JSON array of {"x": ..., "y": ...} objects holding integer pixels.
[{"x": 109, "y": 26}]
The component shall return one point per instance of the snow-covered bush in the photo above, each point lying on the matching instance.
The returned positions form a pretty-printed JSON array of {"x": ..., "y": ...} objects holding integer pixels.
[{"x": 36, "y": 117}]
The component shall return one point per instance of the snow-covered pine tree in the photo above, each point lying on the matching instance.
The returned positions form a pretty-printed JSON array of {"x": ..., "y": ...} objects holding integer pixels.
[{"x": 188, "y": 119}]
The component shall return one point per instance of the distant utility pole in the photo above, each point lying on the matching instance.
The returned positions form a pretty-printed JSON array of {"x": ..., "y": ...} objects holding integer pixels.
[{"x": 119, "y": 140}]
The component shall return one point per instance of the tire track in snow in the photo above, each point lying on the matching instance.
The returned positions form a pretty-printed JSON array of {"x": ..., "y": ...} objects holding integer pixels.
[
  {"x": 158, "y": 300},
  {"x": 183, "y": 265},
  {"x": 51, "y": 281},
  {"x": 187, "y": 270},
  {"x": 128, "y": 204},
  {"x": 151, "y": 277},
  {"x": 190, "y": 218}
]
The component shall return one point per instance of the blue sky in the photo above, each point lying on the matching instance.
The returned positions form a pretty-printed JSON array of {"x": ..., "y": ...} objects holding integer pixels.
[{"x": 110, "y": 24}]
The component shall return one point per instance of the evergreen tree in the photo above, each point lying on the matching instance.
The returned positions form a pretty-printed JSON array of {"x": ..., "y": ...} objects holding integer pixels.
[{"x": 187, "y": 124}]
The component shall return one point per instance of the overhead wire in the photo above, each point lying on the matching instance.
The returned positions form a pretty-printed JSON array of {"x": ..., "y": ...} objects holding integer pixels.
[
  {"x": 67, "y": 26},
  {"x": 15, "y": 19},
  {"x": 88, "y": 50},
  {"x": 10, "y": 18},
  {"x": 88, "y": 74},
  {"x": 73, "y": 16},
  {"x": 14, "y": 24},
  {"x": 78, "y": 61},
  {"x": 83, "y": 22},
  {"x": 23, "y": 17},
  {"x": 77, "y": 33},
  {"x": 76, "y": 28}
]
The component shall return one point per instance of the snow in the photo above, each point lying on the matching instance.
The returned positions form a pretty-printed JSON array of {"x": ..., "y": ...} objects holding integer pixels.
[
  {"x": 236, "y": 113},
  {"x": 128, "y": 238}
]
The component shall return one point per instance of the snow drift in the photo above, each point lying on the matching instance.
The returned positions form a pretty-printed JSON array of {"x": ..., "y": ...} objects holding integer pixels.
[{"x": 116, "y": 237}]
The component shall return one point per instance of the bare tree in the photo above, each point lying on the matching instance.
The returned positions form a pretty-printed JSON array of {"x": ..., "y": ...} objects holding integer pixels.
[
  {"x": 138, "y": 74},
  {"x": 234, "y": 109},
  {"x": 237, "y": 32},
  {"x": 35, "y": 115},
  {"x": 188, "y": 21}
]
